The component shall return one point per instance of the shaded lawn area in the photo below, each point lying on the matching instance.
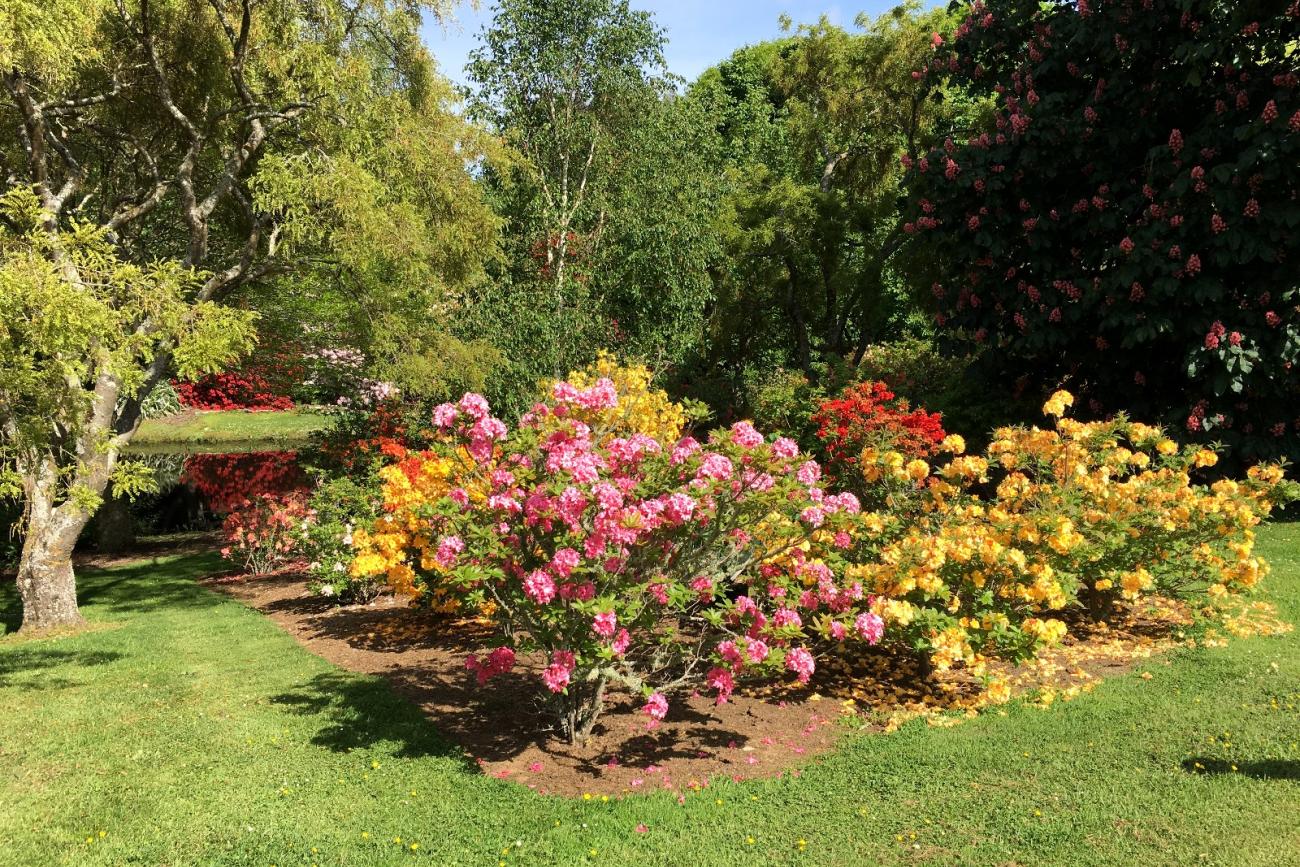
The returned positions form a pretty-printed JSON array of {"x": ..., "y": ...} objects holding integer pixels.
[
  {"x": 227, "y": 427},
  {"x": 187, "y": 729}
]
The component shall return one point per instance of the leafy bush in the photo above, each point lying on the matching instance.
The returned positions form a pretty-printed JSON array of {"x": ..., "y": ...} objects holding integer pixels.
[
  {"x": 597, "y": 535},
  {"x": 363, "y": 438},
  {"x": 869, "y": 415},
  {"x": 233, "y": 390},
  {"x": 266, "y": 532},
  {"x": 163, "y": 401},
  {"x": 1086, "y": 514},
  {"x": 340, "y": 506},
  {"x": 913, "y": 368},
  {"x": 225, "y": 481}
]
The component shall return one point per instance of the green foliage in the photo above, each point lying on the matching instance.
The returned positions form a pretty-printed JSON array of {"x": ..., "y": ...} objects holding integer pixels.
[
  {"x": 341, "y": 505},
  {"x": 1126, "y": 223},
  {"x": 607, "y": 194},
  {"x": 61, "y": 334},
  {"x": 814, "y": 126}
]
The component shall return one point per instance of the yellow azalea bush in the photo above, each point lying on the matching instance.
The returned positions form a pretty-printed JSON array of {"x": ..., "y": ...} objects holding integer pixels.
[{"x": 980, "y": 554}]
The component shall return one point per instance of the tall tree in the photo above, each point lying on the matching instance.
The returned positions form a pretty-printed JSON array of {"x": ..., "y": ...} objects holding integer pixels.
[
  {"x": 606, "y": 203},
  {"x": 168, "y": 155},
  {"x": 816, "y": 125},
  {"x": 1128, "y": 222}
]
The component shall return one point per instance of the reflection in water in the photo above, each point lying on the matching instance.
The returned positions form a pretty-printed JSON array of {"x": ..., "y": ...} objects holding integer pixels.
[
  {"x": 226, "y": 481},
  {"x": 195, "y": 491}
]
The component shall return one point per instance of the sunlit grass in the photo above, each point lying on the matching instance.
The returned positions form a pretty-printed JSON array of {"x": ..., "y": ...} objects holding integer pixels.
[
  {"x": 229, "y": 427},
  {"x": 191, "y": 730}
]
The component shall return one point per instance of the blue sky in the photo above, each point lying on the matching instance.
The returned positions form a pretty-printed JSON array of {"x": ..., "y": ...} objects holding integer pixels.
[{"x": 700, "y": 32}]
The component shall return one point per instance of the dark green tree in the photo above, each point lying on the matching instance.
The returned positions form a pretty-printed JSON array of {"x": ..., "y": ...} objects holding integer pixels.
[
  {"x": 1128, "y": 224},
  {"x": 815, "y": 125}
]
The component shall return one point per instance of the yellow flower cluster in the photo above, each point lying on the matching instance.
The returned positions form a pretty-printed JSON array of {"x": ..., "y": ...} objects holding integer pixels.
[
  {"x": 641, "y": 408},
  {"x": 1085, "y": 513},
  {"x": 400, "y": 537}
]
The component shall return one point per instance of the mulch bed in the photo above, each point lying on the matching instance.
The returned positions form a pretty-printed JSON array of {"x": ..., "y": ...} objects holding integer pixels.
[{"x": 766, "y": 731}]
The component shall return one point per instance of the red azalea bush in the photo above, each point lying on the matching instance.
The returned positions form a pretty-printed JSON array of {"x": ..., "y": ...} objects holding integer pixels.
[
  {"x": 265, "y": 532},
  {"x": 870, "y": 415},
  {"x": 225, "y": 481},
  {"x": 247, "y": 390}
]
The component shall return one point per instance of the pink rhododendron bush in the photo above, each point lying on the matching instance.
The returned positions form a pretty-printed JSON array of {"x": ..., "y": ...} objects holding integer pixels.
[{"x": 599, "y": 536}]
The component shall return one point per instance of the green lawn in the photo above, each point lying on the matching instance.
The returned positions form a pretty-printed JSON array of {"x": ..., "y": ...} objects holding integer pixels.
[
  {"x": 189, "y": 729},
  {"x": 223, "y": 428}
]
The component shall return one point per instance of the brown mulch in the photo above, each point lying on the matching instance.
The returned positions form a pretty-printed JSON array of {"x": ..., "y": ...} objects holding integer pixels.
[
  {"x": 762, "y": 732},
  {"x": 423, "y": 656}
]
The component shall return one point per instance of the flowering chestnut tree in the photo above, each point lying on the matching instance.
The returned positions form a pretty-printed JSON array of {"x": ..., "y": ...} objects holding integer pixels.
[
  {"x": 1129, "y": 222},
  {"x": 598, "y": 536}
]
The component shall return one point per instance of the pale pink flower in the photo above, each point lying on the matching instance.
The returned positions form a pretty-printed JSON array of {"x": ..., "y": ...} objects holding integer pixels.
[
  {"x": 869, "y": 626},
  {"x": 744, "y": 435}
]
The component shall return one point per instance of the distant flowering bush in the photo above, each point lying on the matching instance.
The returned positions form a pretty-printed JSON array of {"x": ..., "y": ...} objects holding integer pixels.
[
  {"x": 246, "y": 390},
  {"x": 1085, "y": 514},
  {"x": 340, "y": 505},
  {"x": 869, "y": 414},
  {"x": 267, "y": 531},
  {"x": 1134, "y": 188},
  {"x": 624, "y": 552}
]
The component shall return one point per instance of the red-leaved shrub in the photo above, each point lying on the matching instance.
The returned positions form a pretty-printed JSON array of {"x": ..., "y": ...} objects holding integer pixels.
[{"x": 232, "y": 390}]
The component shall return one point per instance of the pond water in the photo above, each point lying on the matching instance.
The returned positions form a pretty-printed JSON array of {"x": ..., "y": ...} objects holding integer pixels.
[{"x": 197, "y": 489}]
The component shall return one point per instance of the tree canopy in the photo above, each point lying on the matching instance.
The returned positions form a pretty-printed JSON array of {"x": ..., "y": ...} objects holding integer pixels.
[{"x": 1127, "y": 225}]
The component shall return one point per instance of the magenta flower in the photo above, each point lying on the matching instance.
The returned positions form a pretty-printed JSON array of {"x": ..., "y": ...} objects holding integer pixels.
[
  {"x": 539, "y": 586},
  {"x": 604, "y": 624},
  {"x": 656, "y": 707},
  {"x": 869, "y": 626},
  {"x": 800, "y": 661}
]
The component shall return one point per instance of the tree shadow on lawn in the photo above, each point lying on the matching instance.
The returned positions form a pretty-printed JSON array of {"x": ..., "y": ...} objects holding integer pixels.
[
  {"x": 20, "y": 662},
  {"x": 142, "y": 586},
  {"x": 1265, "y": 769},
  {"x": 363, "y": 711},
  {"x": 150, "y": 585}
]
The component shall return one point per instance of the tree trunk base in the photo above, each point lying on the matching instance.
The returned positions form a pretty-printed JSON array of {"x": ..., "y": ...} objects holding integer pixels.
[{"x": 49, "y": 591}]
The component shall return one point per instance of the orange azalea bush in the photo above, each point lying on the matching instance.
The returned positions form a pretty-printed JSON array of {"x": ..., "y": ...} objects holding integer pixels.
[{"x": 978, "y": 555}]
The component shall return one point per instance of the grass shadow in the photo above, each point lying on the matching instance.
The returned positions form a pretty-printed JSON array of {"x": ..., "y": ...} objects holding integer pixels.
[
  {"x": 130, "y": 588},
  {"x": 144, "y": 586},
  {"x": 29, "y": 659},
  {"x": 1265, "y": 769},
  {"x": 361, "y": 712}
]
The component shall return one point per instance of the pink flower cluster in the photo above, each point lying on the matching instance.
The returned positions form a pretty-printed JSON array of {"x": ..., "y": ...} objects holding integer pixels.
[
  {"x": 499, "y": 661},
  {"x": 594, "y": 541}
]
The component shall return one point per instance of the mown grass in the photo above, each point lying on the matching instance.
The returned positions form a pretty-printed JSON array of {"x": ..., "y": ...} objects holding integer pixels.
[
  {"x": 188, "y": 729},
  {"x": 229, "y": 427}
]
